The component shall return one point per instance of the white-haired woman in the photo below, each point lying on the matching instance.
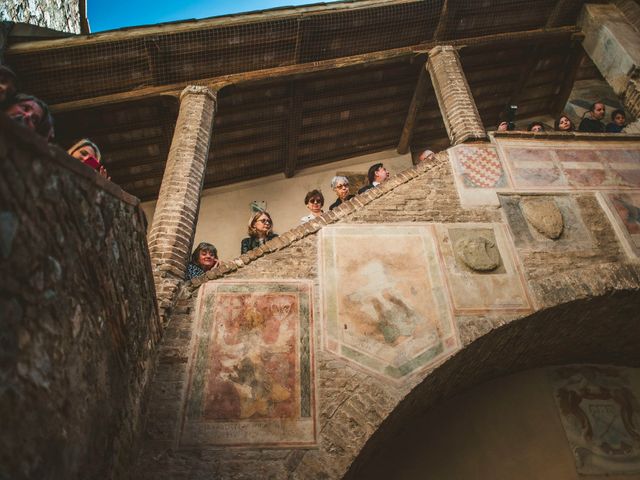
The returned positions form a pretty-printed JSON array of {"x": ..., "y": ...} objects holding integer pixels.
[{"x": 340, "y": 185}]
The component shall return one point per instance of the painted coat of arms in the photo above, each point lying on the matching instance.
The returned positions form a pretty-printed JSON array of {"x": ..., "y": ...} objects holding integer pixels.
[
  {"x": 250, "y": 373},
  {"x": 600, "y": 414}
]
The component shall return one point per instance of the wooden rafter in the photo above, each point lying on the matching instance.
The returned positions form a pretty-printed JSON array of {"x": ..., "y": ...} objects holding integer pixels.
[
  {"x": 419, "y": 96},
  {"x": 294, "y": 127},
  {"x": 301, "y": 70},
  {"x": 448, "y": 11},
  {"x": 572, "y": 66}
]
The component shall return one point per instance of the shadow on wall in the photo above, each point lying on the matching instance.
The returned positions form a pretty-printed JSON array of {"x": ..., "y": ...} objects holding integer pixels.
[{"x": 600, "y": 330}]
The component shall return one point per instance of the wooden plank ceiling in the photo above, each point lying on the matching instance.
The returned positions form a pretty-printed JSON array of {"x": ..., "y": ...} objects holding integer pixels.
[{"x": 302, "y": 86}]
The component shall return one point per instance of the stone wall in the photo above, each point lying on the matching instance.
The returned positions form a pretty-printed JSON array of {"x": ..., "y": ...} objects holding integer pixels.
[
  {"x": 62, "y": 15},
  {"x": 567, "y": 312},
  {"x": 78, "y": 314}
]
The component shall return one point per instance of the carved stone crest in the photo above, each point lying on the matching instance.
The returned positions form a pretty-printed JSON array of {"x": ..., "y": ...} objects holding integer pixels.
[
  {"x": 478, "y": 253},
  {"x": 544, "y": 215}
]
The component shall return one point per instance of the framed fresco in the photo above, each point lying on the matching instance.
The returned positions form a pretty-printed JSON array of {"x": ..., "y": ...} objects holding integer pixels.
[
  {"x": 600, "y": 412},
  {"x": 251, "y": 375},
  {"x": 385, "y": 306},
  {"x": 623, "y": 211}
]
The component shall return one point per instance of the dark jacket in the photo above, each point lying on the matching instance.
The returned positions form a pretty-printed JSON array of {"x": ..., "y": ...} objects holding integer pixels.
[
  {"x": 613, "y": 128},
  {"x": 590, "y": 125},
  {"x": 338, "y": 202},
  {"x": 250, "y": 243}
]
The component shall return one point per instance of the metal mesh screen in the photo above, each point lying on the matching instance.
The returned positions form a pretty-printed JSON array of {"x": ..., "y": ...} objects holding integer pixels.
[{"x": 304, "y": 86}]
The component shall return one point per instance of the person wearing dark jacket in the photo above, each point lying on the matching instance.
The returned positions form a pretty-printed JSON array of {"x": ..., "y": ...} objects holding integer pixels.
[
  {"x": 203, "y": 259},
  {"x": 618, "y": 122},
  {"x": 340, "y": 185},
  {"x": 376, "y": 175},
  {"x": 260, "y": 231},
  {"x": 592, "y": 121}
]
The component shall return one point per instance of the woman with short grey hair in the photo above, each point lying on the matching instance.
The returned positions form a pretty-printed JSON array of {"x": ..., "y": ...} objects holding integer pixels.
[{"x": 340, "y": 185}]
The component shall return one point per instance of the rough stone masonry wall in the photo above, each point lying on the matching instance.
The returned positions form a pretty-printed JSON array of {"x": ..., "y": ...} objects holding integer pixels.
[
  {"x": 62, "y": 15},
  {"x": 353, "y": 404},
  {"x": 78, "y": 318}
]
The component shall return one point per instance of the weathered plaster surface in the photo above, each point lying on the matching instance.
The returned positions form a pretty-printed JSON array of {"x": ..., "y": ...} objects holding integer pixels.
[
  {"x": 63, "y": 15},
  {"x": 586, "y": 261}
]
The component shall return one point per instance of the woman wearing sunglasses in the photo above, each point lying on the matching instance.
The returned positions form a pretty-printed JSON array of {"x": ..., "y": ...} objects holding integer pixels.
[
  {"x": 314, "y": 200},
  {"x": 260, "y": 231}
]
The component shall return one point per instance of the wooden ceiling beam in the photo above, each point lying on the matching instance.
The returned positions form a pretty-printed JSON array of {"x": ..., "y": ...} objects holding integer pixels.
[
  {"x": 417, "y": 101},
  {"x": 293, "y": 72},
  {"x": 448, "y": 12},
  {"x": 294, "y": 127},
  {"x": 574, "y": 60},
  {"x": 556, "y": 13}
]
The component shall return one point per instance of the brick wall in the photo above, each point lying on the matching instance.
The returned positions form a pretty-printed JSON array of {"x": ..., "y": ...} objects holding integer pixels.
[
  {"x": 78, "y": 315},
  {"x": 62, "y": 15},
  {"x": 353, "y": 404}
]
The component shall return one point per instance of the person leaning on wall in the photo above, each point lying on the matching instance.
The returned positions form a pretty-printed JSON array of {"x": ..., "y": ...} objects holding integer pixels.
[
  {"x": 376, "y": 175},
  {"x": 592, "y": 120},
  {"x": 203, "y": 259},
  {"x": 260, "y": 231},
  {"x": 314, "y": 200},
  {"x": 32, "y": 113},
  {"x": 340, "y": 185},
  {"x": 563, "y": 124},
  {"x": 618, "y": 122},
  {"x": 88, "y": 153}
]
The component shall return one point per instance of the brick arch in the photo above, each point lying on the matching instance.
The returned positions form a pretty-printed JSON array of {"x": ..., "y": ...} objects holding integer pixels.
[{"x": 603, "y": 329}]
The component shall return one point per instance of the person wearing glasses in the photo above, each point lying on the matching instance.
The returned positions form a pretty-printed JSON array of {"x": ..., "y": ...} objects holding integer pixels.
[
  {"x": 314, "y": 200},
  {"x": 260, "y": 231},
  {"x": 340, "y": 185},
  {"x": 203, "y": 259}
]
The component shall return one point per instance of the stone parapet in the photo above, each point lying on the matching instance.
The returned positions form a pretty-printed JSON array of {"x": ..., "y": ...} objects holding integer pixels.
[
  {"x": 459, "y": 112},
  {"x": 174, "y": 221},
  {"x": 78, "y": 315}
]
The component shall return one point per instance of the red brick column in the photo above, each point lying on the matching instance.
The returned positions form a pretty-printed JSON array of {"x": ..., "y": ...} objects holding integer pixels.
[
  {"x": 176, "y": 213},
  {"x": 459, "y": 112}
]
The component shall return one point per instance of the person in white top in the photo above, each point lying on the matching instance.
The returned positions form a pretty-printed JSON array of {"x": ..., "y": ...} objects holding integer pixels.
[{"x": 314, "y": 200}]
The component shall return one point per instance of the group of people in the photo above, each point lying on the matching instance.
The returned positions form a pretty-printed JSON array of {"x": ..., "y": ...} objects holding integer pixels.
[
  {"x": 260, "y": 228},
  {"x": 34, "y": 114},
  {"x": 592, "y": 121}
]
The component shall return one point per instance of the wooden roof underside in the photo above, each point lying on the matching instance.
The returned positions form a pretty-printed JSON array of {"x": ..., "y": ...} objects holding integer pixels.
[{"x": 300, "y": 87}]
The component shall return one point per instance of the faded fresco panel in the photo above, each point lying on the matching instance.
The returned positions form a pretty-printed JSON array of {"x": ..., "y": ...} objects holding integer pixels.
[
  {"x": 576, "y": 166},
  {"x": 385, "y": 304},
  {"x": 623, "y": 210},
  {"x": 534, "y": 167},
  {"x": 600, "y": 413},
  {"x": 251, "y": 369},
  {"x": 478, "y": 172},
  {"x": 575, "y": 235},
  {"x": 498, "y": 287}
]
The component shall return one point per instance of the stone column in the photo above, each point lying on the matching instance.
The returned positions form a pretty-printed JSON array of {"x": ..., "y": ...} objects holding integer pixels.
[
  {"x": 459, "y": 112},
  {"x": 176, "y": 214}
]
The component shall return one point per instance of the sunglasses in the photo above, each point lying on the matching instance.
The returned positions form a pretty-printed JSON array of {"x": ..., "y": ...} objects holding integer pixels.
[
  {"x": 265, "y": 221},
  {"x": 315, "y": 200}
]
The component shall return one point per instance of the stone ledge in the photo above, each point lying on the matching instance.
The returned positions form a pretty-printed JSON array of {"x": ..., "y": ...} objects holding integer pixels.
[{"x": 576, "y": 136}]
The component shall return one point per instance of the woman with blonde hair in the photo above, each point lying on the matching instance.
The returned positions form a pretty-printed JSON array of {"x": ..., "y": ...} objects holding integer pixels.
[{"x": 259, "y": 230}]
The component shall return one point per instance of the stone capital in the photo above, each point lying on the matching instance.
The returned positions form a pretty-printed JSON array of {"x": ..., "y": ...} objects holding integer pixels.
[
  {"x": 198, "y": 90},
  {"x": 438, "y": 49}
]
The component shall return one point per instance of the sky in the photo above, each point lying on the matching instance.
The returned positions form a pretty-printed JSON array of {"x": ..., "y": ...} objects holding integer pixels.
[{"x": 112, "y": 14}]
